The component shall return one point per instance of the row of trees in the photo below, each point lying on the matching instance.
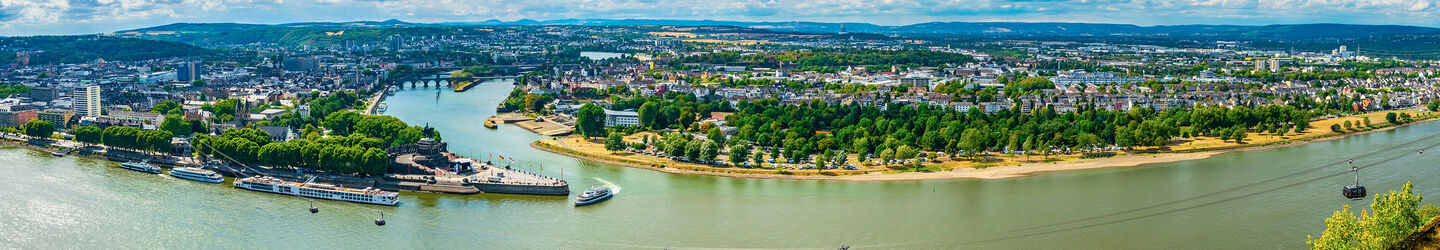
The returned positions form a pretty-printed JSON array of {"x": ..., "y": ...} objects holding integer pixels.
[
  {"x": 126, "y": 137},
  {"x": 38, "y": 128},
  {"x": 829, "y": 58}
]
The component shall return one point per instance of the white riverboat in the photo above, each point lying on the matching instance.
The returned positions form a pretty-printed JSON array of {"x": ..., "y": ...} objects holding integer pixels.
[
  {"x": 318, "y": 190},
  {"x": 197, "y": 174},
  {"x": 141, "y": 167}
]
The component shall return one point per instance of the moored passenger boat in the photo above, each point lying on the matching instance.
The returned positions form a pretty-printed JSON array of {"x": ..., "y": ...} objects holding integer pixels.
[
  {"x": 141, "y": 167},
  {"x": 197, "y": 174},
  {"x": 318, "y": 190}
]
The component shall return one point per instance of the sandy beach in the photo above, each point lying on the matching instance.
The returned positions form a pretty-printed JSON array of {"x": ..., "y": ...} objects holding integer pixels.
[{"x": 996, "y": 172}]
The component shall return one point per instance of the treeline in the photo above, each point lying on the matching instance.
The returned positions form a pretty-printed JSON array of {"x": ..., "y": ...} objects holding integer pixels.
[
  {"x": 356, "y": 144},
  {"x": 1267, "y": 76},
  {"x": 125, "y": 137},
  {"x": 323, "y": 106},
  {"x": 798, "y": 131},
  {"x": 7, "y": 89},
  {"x": 824, "y": 59},
  {"x": 80, "y": 49},
  {"x": 671, "y": 110}
]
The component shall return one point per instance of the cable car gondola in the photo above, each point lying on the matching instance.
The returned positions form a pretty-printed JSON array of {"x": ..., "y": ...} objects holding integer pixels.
[{"x": 1354, "y": 191}]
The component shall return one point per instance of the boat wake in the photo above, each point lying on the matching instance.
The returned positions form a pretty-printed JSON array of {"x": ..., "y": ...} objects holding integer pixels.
[{"x": 614, "y": 189}]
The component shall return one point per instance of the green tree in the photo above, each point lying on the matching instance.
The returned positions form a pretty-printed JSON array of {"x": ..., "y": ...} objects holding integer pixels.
[
  {"x": 1389, "y": 117},
  {"x": 175, "y": 125},
  {"x": 972, "y": 141},
  {"x": 1336, "y": 128},
  {"x": 38, "y": 128},
  {"x": 1434, "y": 105},
  {"x": 716, "y": 135},
  {"x": 907, "y": 152},
  {"x": 649, "y": 114},
  {"x": 615, "y": 142},
  {"x": 886, "y": 156},
  {"x": 758, "y": 157},
  {"x": 1392, "y": 217},
  {"x": 740, "y": 153},
  {"x": 87, "y": 134},
  {"x": 1238, "y": 135},
  {"x": 590, "y": 120}
]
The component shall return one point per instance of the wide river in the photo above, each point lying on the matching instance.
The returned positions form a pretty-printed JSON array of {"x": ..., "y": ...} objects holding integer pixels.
[{"x": 74, "y": 202}]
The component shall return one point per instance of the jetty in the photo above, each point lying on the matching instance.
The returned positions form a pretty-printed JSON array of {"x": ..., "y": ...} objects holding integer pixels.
[{"x": 553, "y": 125}]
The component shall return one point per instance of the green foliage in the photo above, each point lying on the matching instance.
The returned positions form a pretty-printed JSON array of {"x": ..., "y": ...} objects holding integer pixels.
[
  {"x": 82, "y": 49},
  {"x": 1395, "y": 216},
  {"x": 829, "y": 58},
  {"x": 615, "y": 142},
  {"x": 38, "y": 128},
  {"x": 324, "y": 106},
  {"x": 1434, "y": 105},
  {"x": 136, "y": 139},
  {"x": 590, "y": 120},
  {"x": 87, "y": 134},
  {"x": 176, "y": 125},
  {"x": 7, "y": 89},
  {"x": 740, "y": 154}
]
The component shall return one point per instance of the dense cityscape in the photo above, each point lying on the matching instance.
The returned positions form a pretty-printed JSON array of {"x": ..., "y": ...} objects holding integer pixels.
[{"x": 289, "y": 105}]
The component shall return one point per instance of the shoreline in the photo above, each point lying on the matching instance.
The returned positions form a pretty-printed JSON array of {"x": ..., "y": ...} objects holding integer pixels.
[{"x": 997, "y": 172}]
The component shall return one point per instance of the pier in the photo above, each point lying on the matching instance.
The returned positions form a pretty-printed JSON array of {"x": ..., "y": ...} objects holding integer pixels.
[{"x": 427, "y": 167}]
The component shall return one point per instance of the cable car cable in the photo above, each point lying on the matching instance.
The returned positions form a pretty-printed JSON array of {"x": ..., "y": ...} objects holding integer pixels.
[
  {"x": 1198, "y": 197},
  {"x": 1232, "y": 189}
]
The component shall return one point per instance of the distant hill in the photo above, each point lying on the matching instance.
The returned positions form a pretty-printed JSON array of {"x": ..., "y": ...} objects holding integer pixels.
[
  {"x": 184, "y": 28},
  {"x": 985, "y": 29},
  {"x": 79, "y": 49}
]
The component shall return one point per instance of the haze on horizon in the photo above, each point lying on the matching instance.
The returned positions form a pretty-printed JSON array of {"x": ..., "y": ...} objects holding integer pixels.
[{"x": 58, "y": 17}]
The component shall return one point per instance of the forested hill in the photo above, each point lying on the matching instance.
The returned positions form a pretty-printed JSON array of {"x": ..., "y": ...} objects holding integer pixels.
[{"x": 79, "y": 49}]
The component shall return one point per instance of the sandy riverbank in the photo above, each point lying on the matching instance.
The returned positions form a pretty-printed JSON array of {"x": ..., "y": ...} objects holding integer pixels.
[{"x": 998, "y": 172}]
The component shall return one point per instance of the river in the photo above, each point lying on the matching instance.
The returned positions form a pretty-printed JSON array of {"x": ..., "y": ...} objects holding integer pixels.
[{"x": 75, "y": 202}]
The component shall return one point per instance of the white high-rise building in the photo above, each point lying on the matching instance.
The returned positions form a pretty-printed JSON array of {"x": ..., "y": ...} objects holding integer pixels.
[{"x": 87, "y": 100}]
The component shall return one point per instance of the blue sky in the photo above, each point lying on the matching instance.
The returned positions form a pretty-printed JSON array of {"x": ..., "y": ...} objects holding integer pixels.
[{"x": 36, "y": 17}]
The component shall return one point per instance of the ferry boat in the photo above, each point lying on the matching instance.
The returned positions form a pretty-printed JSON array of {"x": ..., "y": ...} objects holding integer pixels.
[
  {"x": 141, "y": 166},
  {"x": 318, "y": 190},
  {"x": 594, "y": 195},
  {"x": 197, "y": 174}
]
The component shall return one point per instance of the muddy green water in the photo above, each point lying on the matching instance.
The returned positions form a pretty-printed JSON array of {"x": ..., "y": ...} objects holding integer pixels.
[{"x": 76, "y": 202}]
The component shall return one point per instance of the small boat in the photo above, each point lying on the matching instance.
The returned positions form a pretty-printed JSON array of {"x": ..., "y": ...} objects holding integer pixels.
[
  {"x": 141, "y": 167},
  {"x": 57, "y": 154},
  {"x": 490, "y": 123},
  {"x": 594, "y": 195},
  {"x": 197, "y": 174}
]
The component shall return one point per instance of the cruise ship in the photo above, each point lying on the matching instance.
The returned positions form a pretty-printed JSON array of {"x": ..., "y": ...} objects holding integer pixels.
[
  {"x": 141, "y": 166},
  {"x": 197, "y": 174},
  {"x": 318, "y": 190}
]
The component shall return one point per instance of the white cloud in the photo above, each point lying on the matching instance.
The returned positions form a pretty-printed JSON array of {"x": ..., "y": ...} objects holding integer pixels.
[{"x": 19, "y": 17}]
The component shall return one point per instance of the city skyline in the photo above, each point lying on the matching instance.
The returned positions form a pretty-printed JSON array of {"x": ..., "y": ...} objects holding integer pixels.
[{"x": 20, "y": 18}]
